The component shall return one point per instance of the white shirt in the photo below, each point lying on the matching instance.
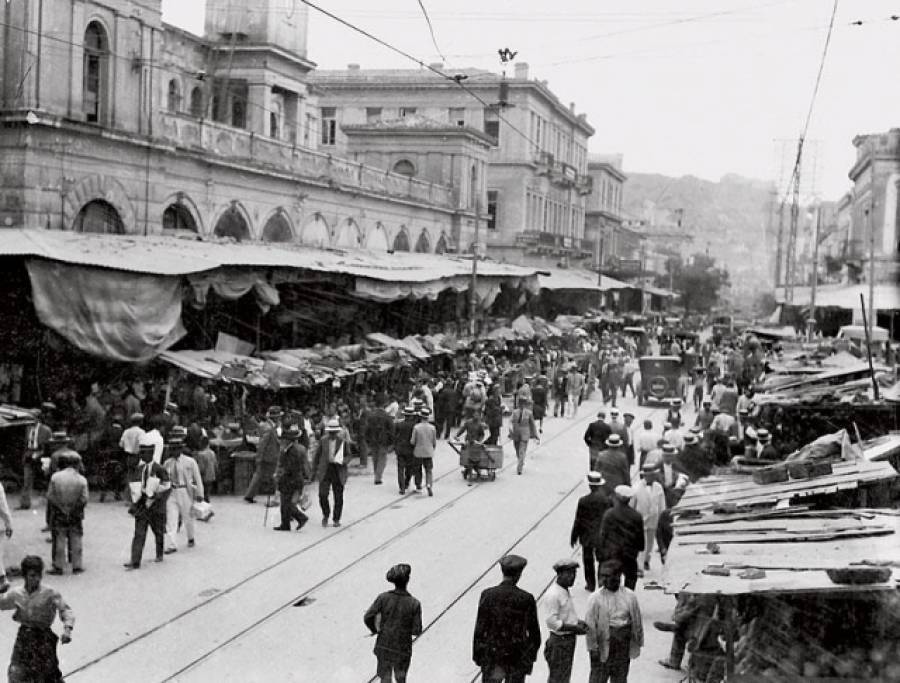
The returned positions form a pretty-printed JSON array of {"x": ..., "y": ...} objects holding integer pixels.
[
  {"x": 560, "y": 609},
  {"x": 650, "y": 501},
  {"x": 646, "y": 440},
  {"x": 615, "y": 604},
  {"x": 673, "y": 436},
  {"x": 155, "y": 439},
  {"x": 131, "y": 439}
]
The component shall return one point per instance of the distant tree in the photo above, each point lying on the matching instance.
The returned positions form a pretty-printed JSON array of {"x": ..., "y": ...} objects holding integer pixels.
[
  {"x": 698, "y": 282},
  {"x": 765, "y": 304}
]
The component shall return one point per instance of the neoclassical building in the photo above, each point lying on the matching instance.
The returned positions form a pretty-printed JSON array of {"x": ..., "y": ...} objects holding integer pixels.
[{"x": 113, "y": 121}]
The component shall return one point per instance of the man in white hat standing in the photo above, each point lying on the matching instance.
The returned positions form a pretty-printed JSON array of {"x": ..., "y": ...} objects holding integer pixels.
[
  {"x": 562, "y": 622},
  {"x": 612, "y": 463},
  {"x": 586, "y": 527},
  {"x": 424, "y": 441},
  {"x": 330, "y": 468},
  {"x": 622, "y": 534}
]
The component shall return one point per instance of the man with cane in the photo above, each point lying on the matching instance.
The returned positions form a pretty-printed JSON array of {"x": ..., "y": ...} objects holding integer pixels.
[{"x": 293, "y": 469}]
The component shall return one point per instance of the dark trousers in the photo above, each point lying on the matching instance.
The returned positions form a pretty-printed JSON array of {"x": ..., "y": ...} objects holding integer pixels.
[
  {"x": 664, "y": 533},
  {"x": 441, "y": 422},
  {"x": 28, "y": 465},
  {"x": 559, "y": 651},
  {"x": 332, "y": 481},
  {"x": 392, "y": 667},
  {"x": 592, "y": 559},
  {"x": 629, "y": 570},
  {"x": 157, "y": 523},
  {"x": 494, "y": 673},
  {"x": 615, "y": 668},
  {"x": 413, "y": 472},
  {"x": 291, "y": 510},
  {"x": 494, "y": 435},
  {"x": 208, "y": 487},
  {"x": 67, "y": 542}
]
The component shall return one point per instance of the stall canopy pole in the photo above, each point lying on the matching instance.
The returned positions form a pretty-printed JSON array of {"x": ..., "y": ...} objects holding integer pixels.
[{"x": 862, "y": 303}]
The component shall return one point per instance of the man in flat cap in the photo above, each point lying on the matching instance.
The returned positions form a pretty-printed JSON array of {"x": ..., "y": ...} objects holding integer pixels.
[
  {"x": 507, "y": 633},
  {"x": 562, "y": 622},
  {"x": 586, "y": 527},
  {"x": 622, "y": 534},
  {"x": 396, "y": 617}
]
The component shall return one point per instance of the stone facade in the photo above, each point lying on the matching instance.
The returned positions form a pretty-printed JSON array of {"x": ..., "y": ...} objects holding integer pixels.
[
  {"x": 113, "y": 121},
  {"x": 605, "y": 234},
  {"x": 875, "y": 211},
  {"x": 537, "y": 180}
]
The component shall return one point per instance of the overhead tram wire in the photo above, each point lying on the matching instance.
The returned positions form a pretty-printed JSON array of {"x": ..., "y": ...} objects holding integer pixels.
[{"x": 431, "y": 31}]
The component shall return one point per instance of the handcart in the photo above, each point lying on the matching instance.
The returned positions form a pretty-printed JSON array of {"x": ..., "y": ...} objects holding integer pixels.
[{"x": 478, "y": 462}]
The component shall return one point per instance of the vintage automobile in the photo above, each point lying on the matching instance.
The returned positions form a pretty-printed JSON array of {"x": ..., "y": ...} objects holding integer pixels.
[{"x": 662, "y": 379}]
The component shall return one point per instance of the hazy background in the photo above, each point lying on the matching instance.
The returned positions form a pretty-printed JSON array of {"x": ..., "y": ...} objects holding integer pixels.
[{"x": 703, "y": 88}]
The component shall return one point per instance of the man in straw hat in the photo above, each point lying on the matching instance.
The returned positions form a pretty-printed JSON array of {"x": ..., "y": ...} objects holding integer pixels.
[
  {"x": 149, "y": 509},
  {"x": 396, "y": 618},
  {"x": 586, "y": 527},
  {"x": 562, "y": 622},
  {"x": 187, "y": 486},
  {"x": 622, "y": 534},
  {"x": 612, "y": 463},
  {"x": 424, "y": 441},
  {"x": 649, "y": 500},
  {"x": 329, "y": 464},
  {"x": 292, "y": 470},
  {"x": 507, "y": 632},
  {"x": 404, "y": 449}
]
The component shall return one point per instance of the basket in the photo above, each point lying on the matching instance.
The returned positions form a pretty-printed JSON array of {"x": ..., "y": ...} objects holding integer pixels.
[
  {"x": 799, "y": 469},
  {"x": 771, "y": 475},
  {"x": 858, "y": 576}
]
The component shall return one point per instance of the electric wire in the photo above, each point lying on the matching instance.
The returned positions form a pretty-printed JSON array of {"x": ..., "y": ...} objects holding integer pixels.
[{"x": 431, "y": 30}]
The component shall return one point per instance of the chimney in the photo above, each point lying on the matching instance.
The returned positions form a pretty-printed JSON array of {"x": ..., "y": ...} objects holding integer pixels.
[
  {"x": 521, "y": 71},
  {"x": 353, "y": 67}
]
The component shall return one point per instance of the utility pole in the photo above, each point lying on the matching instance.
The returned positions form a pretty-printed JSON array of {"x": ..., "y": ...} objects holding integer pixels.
[
  {"x": 870, "y": 219},
  {"x": 779, "y": 249},
  {"x": 790, "y": 266},
  {"x": 815, "y": 275},
  {"x": 473, "y": 291},
  {"x": 643, "y": 298}
]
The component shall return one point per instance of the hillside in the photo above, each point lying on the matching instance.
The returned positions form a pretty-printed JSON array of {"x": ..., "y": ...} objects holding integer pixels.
[{"x": 730, "y": 217}]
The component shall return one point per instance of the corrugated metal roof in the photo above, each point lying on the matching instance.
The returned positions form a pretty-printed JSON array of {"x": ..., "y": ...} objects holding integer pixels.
[
  {"x": 163, "y": 255},
  {"x": 561, "y": 278}
]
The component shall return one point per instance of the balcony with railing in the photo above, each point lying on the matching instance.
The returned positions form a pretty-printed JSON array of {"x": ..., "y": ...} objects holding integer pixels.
[{"x": 236, "y": 144}]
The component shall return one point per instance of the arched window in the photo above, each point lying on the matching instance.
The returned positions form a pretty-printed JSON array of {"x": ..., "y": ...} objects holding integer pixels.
[
  {"x": 315, "y": 233},
  {"x": 405, "y": 167},
  {"x": 176, "y": 218},
  {"x": 173, "y": 102},
  {"x": 232, "y": 224},
  {"x": 197, "y": 102},
  {"x": 349, "y": 235},
  {"x": 401, "y": 241},
  {"x": 99, "y": 216},
  {"x": 423, "y": 246},
  {"x": 441, "y": 247},
  {"x": 96, "y": 59},
  {"x": 378, "y": 239},
  {"x": 277, "y": 229}
]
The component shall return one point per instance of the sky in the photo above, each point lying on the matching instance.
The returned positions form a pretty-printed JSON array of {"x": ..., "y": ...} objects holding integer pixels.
[{"x": 698, "y": 87}]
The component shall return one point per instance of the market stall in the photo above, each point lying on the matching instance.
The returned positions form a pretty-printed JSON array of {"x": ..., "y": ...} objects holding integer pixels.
[{"x": 796, "y": 577}]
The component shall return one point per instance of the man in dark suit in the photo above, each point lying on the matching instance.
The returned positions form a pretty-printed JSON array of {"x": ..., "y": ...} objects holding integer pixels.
[
  {"x": 404, "y": 450},
  {"x": 622, "y": 534},
  {"x": 267, "y": 452},
  {"x": 293, "y": 470},
  {"x": 612, "y": 463},
  {"x": 595, "y": 437},
  {"x": 586, "y": 528},
  {"x": 150, "y": 508},
  {"x": 507, "y": 633}
]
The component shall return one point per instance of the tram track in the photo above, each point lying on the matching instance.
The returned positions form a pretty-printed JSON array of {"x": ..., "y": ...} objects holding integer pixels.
[{"x": 180, "y": 616}]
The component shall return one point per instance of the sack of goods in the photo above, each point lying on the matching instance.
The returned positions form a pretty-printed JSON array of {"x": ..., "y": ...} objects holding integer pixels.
[{"x": 202, "y": 511}]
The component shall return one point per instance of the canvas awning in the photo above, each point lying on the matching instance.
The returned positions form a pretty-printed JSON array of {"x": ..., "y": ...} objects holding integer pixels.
[
  {"x": 576, "y": 279},
  {"x": 887, "y": 296},
  {"x": 120, "y": 296}
]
